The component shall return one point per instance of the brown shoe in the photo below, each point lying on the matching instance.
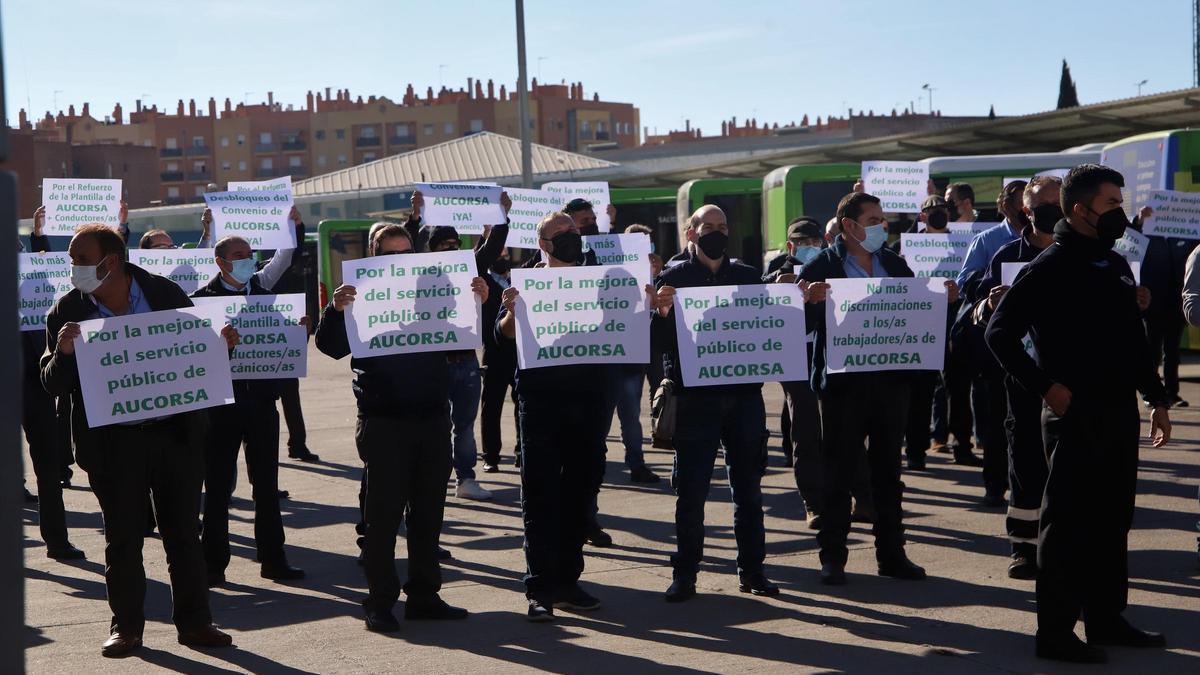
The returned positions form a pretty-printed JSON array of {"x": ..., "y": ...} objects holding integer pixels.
[
  {"x": 120, "y": 644},
  {"x": 204, "y": 636}
]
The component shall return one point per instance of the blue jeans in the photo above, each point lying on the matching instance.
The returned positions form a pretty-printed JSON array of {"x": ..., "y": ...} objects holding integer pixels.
[
  {"x": 624, "y": 395},
  {"x": 465, "y": 386}
]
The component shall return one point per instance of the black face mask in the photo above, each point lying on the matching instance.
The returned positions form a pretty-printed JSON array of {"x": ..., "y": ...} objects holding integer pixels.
[
  {"x": 589, "y": 230},
  {"x": 714, "y": 244},
  {"x": 1046, "y": 216},
  {"x": 502, "y": 266},
  {"x": 567, "y": 246},
  {"x": 937, "y": 219},
  {"x": 1110, "y": 226}
]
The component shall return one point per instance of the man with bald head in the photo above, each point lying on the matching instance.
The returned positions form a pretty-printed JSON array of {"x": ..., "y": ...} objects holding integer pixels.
[{"x": 708, "y": 417}]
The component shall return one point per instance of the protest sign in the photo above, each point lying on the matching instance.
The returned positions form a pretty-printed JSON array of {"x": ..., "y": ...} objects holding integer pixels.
[
  {"x": 1010, "y": 180},
  {"x": 42, "y": 278},
  {"x": 900, "y": 186},
  {"x": 190, "y": 268},
  {"x": 974, "y": 227},
  {"x": 1176, "y": 214},
  {"x": 576, "y": 315},
  {"x": 885, "y": 324},
  {"x": 741, "y": 334},
  {"x": 1008, "y": 272},
  {"x": 274, "y": 344},
  {"x": 258, "y": 216},
  {"x": 616, "y": 249},
  {"x": 595, "y": 192},
  {"x": 529, "y": 207},
  {"x": 935, "y": 255},
  {"x": 142, "y": 366},
  {"x": 71, "y": 202},
  {"x": 420, "y": 302},
  {"x": 1132, "y": 246},
  {"x": 466, "y": 207},
  {"x": 281, "y": 184}
]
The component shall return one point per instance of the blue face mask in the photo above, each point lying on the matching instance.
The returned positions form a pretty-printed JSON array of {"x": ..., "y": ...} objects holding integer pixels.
[
  {"x": 242, "y": 270},
  {"x": 874, "y": 237},
  {"x": 805, "y": 254}
]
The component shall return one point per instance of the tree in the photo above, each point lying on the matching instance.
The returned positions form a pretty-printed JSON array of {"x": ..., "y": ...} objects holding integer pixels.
[
  {"x": 1067, "y": 97},
  {"x": 992, "y": 112}
]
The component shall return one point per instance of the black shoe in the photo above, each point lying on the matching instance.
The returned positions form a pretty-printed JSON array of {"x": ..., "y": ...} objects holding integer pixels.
[
  {"x": 205, "y": 635},
  {"x": 640, "y": 474},
  {"x": 434, "y": 609},
  {"x": 900, "y": 567},
  {"x": 284, "y": 494},
  {"x": 599, "y": 538},
  {"x": 916, "y": 463},
  {"x": 1069, "y": 648},
  {"x": 575, "y": 598},
  {"x": 65, "y": 552},
  {"x": 30, "y": 498},
  {"x": 491, "y": 467},
  {"x": 757, "y": 584},
  {"x": 281, "y": 572},
  {"x": 539, "y": 611},
  {"x": 1177, "y": 402},
  {"x": 1121, "y": 634},
  {"x": 862, "y": 514},
  {"x": 120, "y": 644},
  {"x": 814, "y": 522},
  {"x": 680, "y": 590},
  {"x": 517, "y": 464},
  {"x": 443, "y": 554},
  {"x": 303, "y": 455},
  {"x": 381, "y": 621},
  {"x": 1022, "y": 567},
  {"x": 216, "y": 579},
  {"x": 833, "y": 574},
  {"x": 993, "y": 500},
  {"x": 966, "y": 458}
]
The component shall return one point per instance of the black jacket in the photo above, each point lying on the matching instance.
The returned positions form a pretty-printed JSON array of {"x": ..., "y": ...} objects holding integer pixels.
[
  {"x": 1078, "y": 302},
  {"x": 60, "y": 373}
]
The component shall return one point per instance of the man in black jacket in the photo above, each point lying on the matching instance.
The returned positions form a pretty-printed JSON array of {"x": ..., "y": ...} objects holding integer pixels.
[
  {"x": 163, "y": 457},
  {"x": 1091, "y": 420},
  {"x": 251, "y": 419},
  {"x": 403, "y": 436},
  {"x": 708, "y": 417},
  {"x": 862, "y": 406},
  {"x": 1162, "y": 273}
]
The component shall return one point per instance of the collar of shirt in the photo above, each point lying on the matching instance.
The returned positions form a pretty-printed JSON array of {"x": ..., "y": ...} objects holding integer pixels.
[
  {"x": 137, "y": 302},
  {"x": 500, "y": 280},
  {"x": 855, "y": 271},
  {"x": 244, "y": 290}
]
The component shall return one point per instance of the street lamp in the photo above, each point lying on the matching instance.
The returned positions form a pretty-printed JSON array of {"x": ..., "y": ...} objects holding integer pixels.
[
  {"x": 1139, "y": 85},
  {"x": 929, "y": 89}
]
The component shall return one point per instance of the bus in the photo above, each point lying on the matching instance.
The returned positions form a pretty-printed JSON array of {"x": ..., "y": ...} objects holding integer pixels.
[{"x": 740, "y": 199}]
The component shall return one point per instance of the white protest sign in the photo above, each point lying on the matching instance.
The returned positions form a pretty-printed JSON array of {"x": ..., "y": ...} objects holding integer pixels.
[
  {"x": 71, "y": 202},
  {"x": 741, "y": 334},
  {"x": 935, "y": 255},
  {"x": 1176, "y": 214},
  {"x": 1010, "y": 180},
  {"x": 1008, "y": 272},
  {"x": 900, "y": 186},
  {"x": 575, "y": 315},
  {"x": 281, "y": 184},
  {"x": 974, "y": 227},
  {"x": 274, "y": 345},
  {"x": 467, "y": 207},
  {"x": 595, "y": 192},
  {"x": 141, "y": 366},
  {"x": 42, "y": 278},
  {"x": 1136, "y": 268},
  {"x": 258, "y": 216},
  {"x": 418, "y": 302},
  {"x": 529, "y": 207},
  {"x": 885, "y": 324},
  {"x": 617, "y": 249},
  {"x": 190, "y": 268},
  {"x": 1132, "y": 246},
  {"x": 1056, "y": 173}
]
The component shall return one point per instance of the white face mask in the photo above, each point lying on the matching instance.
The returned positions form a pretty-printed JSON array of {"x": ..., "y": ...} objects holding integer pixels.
[{"x": 84, "y": 278}]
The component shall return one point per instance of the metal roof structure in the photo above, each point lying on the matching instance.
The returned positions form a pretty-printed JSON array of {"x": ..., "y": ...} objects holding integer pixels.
[{"x": 481, "y": 156}]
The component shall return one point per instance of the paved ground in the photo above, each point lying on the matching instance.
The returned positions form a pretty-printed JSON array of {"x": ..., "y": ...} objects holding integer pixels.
[{"x": 967, "y": 616}]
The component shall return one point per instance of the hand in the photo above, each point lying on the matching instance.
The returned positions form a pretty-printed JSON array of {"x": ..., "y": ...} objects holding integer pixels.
[
  {"x": 123, "y": 213},
  {"x": 1160, "y": 427},
  {"x": 39, "y": 220},
  {"x": 418, "y": 204},
  {"x": 1144, "y": 214},
  {"x": 304, "y": 321},
  {"x": 1058, "y": 398},
  {"x": 66, "y": 337},
  {"x": 487, "y": 232},
  {"x": 505, "y": 203},
  {"x": 205, "y": 222},
  {"x": 612, "y": 213},
  {"x": 232, "y": 339},
  {"x": 664, "y": 299},
  {"x": 479, "y": 287},
  {"x": 294, "y": 216},
  {"x": 786, "y": 278},
  {"x": 951, "y": 291},
  {"x": 509, "y": 298},
  {"x": 1143, "y": 297},
  {"x": 814, "y": 292},
  {"x": 343, "y": 296},
  {"x": 994, "y": 296},
  {"x": 858, "y": 186}
]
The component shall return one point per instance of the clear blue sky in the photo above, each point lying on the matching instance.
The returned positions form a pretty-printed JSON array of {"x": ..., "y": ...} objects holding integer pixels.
[{"x": 705, "y": 60}]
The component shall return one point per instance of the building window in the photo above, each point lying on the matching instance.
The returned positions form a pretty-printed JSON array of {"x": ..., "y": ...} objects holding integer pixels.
[
  {"x": 320, "y": 160},
  {"x": 341, "y": 160},
  {"x": 173, "y": 191},
  {"x": 267, "y": 163},
  {"x": 264, "y": 138},
  {"x": 341, "y": 134},
  {"x": 294, "y": 160},
  {"x": 319, "y": 134},
  {"x": 448, "y": 128},
  {"x": 172, "y": 167},
  {"x": 428, "y": 129},
  {"x": 366, "y": 132},
  {"x": 146, "y": 142},
  {"x": 241, "y": 139},
  {"x": 241, "y": 165},
  {"x": 172, "y": 143},
  {"x": 198, "y": 167},
  {"x": 476, "y": 125},
  {"x": 585, "y": 127},
  {"x": 199, "y": 191},
  {"x": 224, "y": 141},
  {"x": 401, "y": 131},
  {"x": 225, "y": 166},
  {"x": 197, "y": 141}
]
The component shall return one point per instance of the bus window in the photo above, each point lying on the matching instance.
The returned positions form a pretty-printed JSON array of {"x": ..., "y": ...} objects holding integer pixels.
[
  {"x": 820, "y": 199},
  {"x": 343, "y": 246},
  {"x": 743, "y": 212},
  {"x": 659, "y": 217}
]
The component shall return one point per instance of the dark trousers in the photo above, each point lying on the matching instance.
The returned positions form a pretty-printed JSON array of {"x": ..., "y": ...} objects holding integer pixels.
[
  {"x": 957, "y": 377},
  {"x": 705, "y": 421},
  {"x": 869, "y": 408},
  {"x": 256, "y": 423},
  {"x": 156, "y": 460},
  {"x": 293, "y": 415},
  {"x": 1164, "y": 329},
  {"x": 562, "y": 465},
  {"x": 785, "y": 429},
  {"x": 992, "y": 407},
  {"x": 408, "y": 464},
  {"x": 941, "y": 410},
  {"x": 1086, "y": 513},
  {"x": 1027, "y": 466},
  {"x": 41, "y": 433},
  {"x": 66, "y": 455},
  {"x": 804, "y": 412},
  {"x": 498, "y": 375},
  {"x": 917, "y": 434}
]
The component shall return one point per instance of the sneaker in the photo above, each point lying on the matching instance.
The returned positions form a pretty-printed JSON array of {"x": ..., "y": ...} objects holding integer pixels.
[
  {"x": 576, "y": 598},
  {"x": 491, "y": 467},
  {"x": 641, "y": 474},
  {"x": 539, "y": 611},
  {"x": 471, "y": 489}
]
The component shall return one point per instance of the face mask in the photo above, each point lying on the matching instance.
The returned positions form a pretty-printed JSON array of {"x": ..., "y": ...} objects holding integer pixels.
[
  {"x": 567, "y": 246},
  {"x": 873, "y": 237},
  {"x": 589, "y": 230},
  {"x": 937, "y": 219},
  {"x": 805, "y": 254},
  {"x": 1110, "y": 226},
  {"x": 713, "y": 244},
  {"x": 241, "y": 270},
  {"x": 502, "y": 266},
  {"x": 84, "y": 278},
  {"x": 1046, "y": 216}
]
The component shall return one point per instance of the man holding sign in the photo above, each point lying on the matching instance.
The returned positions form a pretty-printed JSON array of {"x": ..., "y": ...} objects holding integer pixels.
[
  {"x": 161, "y": 456},
  {"x": 403, "y": 437},
  {"x": 870, "y": 405}
]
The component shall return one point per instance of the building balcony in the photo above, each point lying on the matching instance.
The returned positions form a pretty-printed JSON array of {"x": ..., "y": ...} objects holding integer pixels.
[
  {"x": 292, "y": 146},
  {"x": 170, "y": 152},
  {"x": 265, "y": 173},
  {"x": 297, "y": 171},
  {"x": 171, "y": 176},
  {"x": 363, "y": 142},
  {"x": 266, "y": 147},
  {"x": 199, "y": 151},
  {"x": 402, "y": 140},
  {"x": 603, "y": 136},
  {"x": 199, "y": 175}
]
